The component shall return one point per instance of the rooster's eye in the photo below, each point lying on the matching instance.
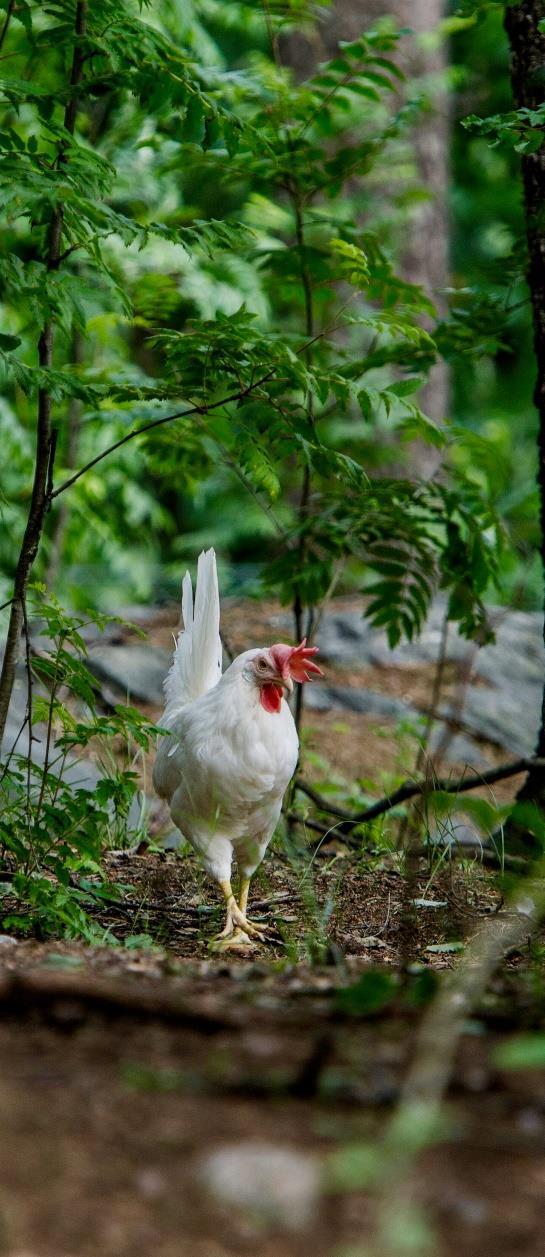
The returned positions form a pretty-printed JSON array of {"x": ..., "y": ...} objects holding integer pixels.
[{"x": 261, "y": 663}]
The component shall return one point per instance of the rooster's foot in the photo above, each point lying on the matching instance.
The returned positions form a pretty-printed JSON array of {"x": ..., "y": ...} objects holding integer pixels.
[
  {"x": 236, "y": 916},
  {"x": 238, "y": 923},
  {"x": 249, "y": 927},
  {"x": 237, "y": 940}
]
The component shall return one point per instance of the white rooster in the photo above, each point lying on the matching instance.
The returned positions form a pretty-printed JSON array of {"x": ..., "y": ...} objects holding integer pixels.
[{"x": 232, "y": 746}]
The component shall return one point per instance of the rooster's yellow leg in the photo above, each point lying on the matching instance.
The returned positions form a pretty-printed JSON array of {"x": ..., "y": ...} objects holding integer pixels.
[
  {"x": 230, "y": 903},
  {"x": 243, "y": 893},
  {"x": 243, "y": 904}
]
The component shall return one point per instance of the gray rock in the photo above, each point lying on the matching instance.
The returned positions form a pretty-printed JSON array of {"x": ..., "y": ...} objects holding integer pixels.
[
  {"x": 136, "y": 672},
  {"x": 459, "y": 749},
  {"x": 16, "y": 731},
  {"x": 507, "y": 717},
  {"x": 345, "y": 637},
  {"x": 501, "y": 698},
  {"x": 504, "y": 711},
  {"x": 276, "y": 1184},
  {"x": 79, "y": 771},
  {"x": 457, "y": 831},
  {"x": 366, "y": 702}
]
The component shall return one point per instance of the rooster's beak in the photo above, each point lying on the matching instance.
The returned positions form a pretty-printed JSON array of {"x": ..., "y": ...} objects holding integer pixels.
[{"x": 287, "y": 682}]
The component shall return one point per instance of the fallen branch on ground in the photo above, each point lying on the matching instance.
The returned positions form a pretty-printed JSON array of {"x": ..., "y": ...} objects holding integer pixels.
[
  {"x": 410, "y": 789},
  {"x": 68, "y": 999},
  {"x": 456, "y": 850}
]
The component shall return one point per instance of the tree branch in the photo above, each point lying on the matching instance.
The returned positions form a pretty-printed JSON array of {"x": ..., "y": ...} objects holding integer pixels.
[
  {"x": 197, "y": 409},
  {"x": 497, "y": 860},
  {"x": 410, "y": 789},
  {"x": 157, "y": 423}
]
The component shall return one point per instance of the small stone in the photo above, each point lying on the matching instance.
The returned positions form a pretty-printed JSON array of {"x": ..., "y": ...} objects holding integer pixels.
[
  {"x": 150, "y": 1183},
  {"x": 430, "y": 903},
  {"x": 278, "y": 1185}
]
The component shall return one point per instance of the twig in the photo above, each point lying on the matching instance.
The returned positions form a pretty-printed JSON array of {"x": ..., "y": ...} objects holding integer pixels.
[
  {"x": 303, "y": 820},
  {"x": 384, "y": 927},
  {"x": 49, "y": 734},
  {"x": 408, "y": 831},
  {"x": 338, "y": 570},
  {"x": 28, "y": 672},
  {"x": 6, "y": 22},
  {"x": 197, "y": 409},
  {"x": 454, "y": 850},
  {"x": 410, "y": 789},
  {"x": 6, "y": 763},
  {"x": 304, "y": 501}
]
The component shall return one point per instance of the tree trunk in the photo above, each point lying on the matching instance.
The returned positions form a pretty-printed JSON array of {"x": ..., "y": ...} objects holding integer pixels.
[
  {"x": 68, "y": 458},
  {"x": 45, "y": 437},
  {"x": 425, "y": 258},
  {"x": 527, "y": 76}
]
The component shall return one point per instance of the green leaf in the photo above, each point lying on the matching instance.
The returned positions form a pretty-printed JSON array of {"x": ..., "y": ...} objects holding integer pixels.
[
  {"x": 193, "y": 125},
  {"x": 403, "y": 388},
  {"x": 9, "y": 342}
]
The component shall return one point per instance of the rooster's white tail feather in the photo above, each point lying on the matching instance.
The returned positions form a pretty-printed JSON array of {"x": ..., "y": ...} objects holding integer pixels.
[{"x": 196, "y": 666}]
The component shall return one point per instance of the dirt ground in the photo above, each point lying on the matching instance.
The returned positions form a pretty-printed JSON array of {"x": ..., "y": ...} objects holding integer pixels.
[
  {"x": 158, "y": 1099},
  {"x": 114, "y": 1120},
  {"x": 127, "y": 1075}
]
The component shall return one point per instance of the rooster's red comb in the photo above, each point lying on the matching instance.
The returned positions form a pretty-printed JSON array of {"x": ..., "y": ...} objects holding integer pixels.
[{"x": 296, "y": 661}]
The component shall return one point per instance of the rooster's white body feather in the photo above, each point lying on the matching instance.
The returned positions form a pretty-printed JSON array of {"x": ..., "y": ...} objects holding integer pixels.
[{"x": 226, "y": 763}]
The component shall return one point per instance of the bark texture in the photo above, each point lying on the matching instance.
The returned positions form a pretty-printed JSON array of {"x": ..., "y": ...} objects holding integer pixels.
[{"x": 69, "y": 460}]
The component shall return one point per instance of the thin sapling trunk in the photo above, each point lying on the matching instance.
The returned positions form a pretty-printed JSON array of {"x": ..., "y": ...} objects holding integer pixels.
[{"x": 45, "y": 435}]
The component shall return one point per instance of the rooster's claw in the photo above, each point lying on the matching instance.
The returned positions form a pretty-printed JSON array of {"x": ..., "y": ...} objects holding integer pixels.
[{"x": 238, "y": 940}]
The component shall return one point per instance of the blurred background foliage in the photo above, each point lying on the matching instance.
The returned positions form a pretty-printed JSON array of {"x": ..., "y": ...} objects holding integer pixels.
[
  {"x": 492, "y": 396},
  {"x": 124, "y": 532}
]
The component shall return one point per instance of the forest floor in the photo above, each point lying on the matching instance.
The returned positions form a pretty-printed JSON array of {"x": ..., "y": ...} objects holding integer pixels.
[
  {"x": 158, "y": 1099},
  {"x": 144, "y": 1090}
]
